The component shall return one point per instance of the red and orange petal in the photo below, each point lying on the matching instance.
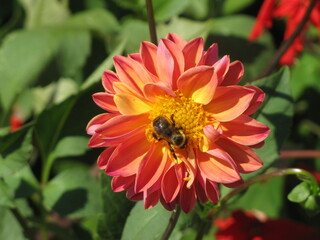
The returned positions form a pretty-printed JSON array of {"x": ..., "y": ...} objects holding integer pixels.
[{"x": 175, "y": 78}]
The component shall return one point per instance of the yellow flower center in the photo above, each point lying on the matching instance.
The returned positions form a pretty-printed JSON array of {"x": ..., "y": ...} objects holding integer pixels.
[{"x": 184, "y": 115}]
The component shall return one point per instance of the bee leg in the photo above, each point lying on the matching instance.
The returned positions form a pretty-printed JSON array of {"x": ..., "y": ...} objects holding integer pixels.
[
  {"x": 156, "y": 137},
  {"x": 172, "y": 119},
  {"x": 172, "y": 151}
]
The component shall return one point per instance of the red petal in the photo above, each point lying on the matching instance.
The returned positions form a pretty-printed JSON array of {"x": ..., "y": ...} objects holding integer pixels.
[
  {"x": 97, "y": 121},
  {"x": 210, "y": 57},
  {"x": 187, "y": 198},
  {"x": 171, "y": 183},
  {"x": 234, "y": 74},
  {"x": 104, "y": 157},
  {"x": 122, "y": 124},
  {"x": 256, "y": 100},
  {"x": 180, "y": 42},
  {"x": 105, "y": 101},
  {"x": 108, "y": 78},
  {"x": 192, "y": 53},
  {"x": 151, "y": 168},
  {"x": 149, "y": 56},
  {"x": 119, "y": 184},
  {"x": 245, "y": 158}
]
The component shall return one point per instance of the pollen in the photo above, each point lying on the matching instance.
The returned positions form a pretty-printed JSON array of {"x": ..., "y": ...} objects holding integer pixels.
[{"x": 187, "y": 115}]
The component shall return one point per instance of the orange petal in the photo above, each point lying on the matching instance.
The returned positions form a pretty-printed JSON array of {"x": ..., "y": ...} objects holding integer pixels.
[
  {"x": 211, "y": 135},
  {"x": 245, "y": 130},
  {"x": 245, "y": 158},
  {"x": 131, "y": 105},
  {"x": 151, "y": 168},
  {"x": 153, "y": 90},
  {"x": 216, "y": 169},
  {"x": 126, "y": 158},
  {"x": 105, "y": 101},
  {"x": 122, "y": 124},
  {"x": 187, "y": 198},
  {"x": 198, "y": 83},
  {"x": 108, "y": 78},
  {"x": 131, "y": 73},
  {"x": 229, "y": 102},
  {"x": 192, "y": 53},
  {"x": 180, "y": 42},
  {"x": 234, "y": 74},
  {"x": 256, "y": 101}
]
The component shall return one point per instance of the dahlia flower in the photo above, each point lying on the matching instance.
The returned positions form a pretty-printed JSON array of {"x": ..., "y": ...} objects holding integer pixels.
[{"x": 176, "y": 124}]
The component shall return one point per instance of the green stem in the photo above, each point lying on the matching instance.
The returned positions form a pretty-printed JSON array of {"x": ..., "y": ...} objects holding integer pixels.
[
  {"x": 172, "y": 223},
  {"x": 286, "y": 44},
  {"x": 151, "y": 21},
  {"x": 47, "y": 168}
]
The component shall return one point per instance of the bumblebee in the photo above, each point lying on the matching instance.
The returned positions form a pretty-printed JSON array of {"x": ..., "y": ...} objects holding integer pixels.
[{"x": 165, "y": 129}]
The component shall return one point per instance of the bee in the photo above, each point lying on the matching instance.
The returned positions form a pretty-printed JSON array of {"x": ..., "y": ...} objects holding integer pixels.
[{"x": 167, "y": 130}]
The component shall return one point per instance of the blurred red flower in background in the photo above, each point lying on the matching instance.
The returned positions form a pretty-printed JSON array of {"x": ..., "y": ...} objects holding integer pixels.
[
  {"x": 293, "y": 11},
  {"x": 250, "y": 225}
]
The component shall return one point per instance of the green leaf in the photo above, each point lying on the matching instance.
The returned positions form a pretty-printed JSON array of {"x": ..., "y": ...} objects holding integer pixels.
[
  {"x": 15, "y": 153},
  {"x": 308, "y": 69},
  {"x": 276, "y": 112},
  {"x": 49, "y": 125},
  {"x": 106, "y": 64},
  {"x": 30, "y": 52},
  {"x": 69, "y": 59},
  {"x": 97, "y": 20},
  {"x": 198, "y": 9},
  {"x": 73, "y": 193},
  {"x": 186, "y": 28},
  {"x": 71, "y": 146},
  {"x": 232, "y": 6},
  {"x": 231, "y": 33},
  {"x": 10, "y": 229},
  {"x": 257, "y": 196},
  {"x": 40, "y": 13},
  {"x": 116, "y": 208},
  {"x": 300, "y": 193},
  {"x": 6, "y": 199},
  {"x": 134, "y": 32},
  {"x": 146, "y": 224},
  {"x": 164, "y": 10}
]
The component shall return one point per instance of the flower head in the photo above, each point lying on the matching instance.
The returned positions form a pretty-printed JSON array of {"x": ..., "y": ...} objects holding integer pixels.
[
  {"x": 293, "y": 11},
  {"x": 177, "y": 124}
]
